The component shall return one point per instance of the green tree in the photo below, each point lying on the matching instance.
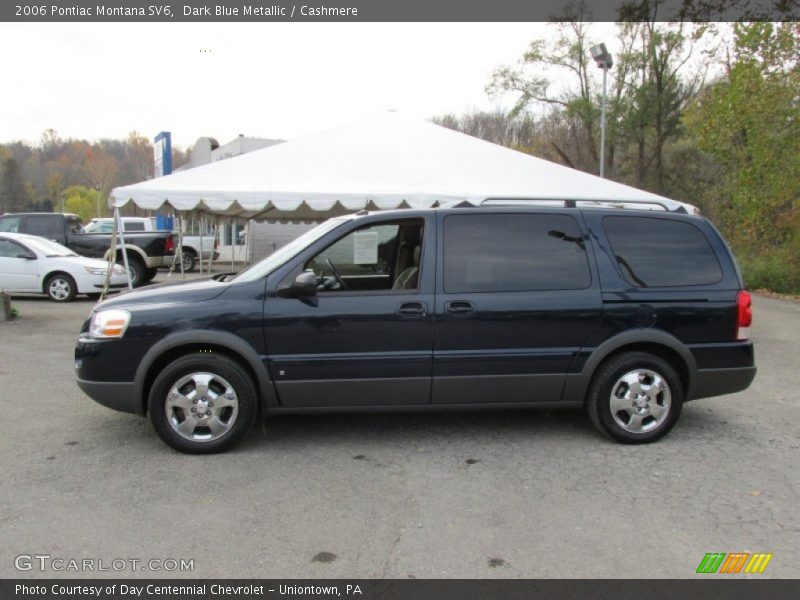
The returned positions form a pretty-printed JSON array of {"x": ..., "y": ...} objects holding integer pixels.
[
  {"x": 80, "y": 200},
  {"x": 749, "y": 122},
  {"x": 557, "y": 75},
  {"x": 55, "y": 186}
]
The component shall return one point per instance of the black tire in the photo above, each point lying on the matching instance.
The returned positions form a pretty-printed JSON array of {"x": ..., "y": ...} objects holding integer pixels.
[
  {"x": 609, "y": 379},
  {"x": 136, "y": 268},
  {"x": 149, "y": 275},
  {"x": 189, "y": 260},
  {"x": 60, "y": 287},
  {"x": 225, "y": 371}
]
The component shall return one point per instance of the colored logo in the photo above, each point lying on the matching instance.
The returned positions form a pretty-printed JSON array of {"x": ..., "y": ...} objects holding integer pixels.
[{"x": 735, "y": 562}]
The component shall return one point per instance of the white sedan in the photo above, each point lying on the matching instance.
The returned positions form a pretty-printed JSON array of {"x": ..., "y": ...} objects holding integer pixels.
[{"x": 33, "y": 264}]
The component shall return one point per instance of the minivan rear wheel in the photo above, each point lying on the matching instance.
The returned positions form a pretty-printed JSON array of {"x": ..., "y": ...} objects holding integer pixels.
[
  {"x": 635, "y": 397},
  {"x": 202, "y": 403}
]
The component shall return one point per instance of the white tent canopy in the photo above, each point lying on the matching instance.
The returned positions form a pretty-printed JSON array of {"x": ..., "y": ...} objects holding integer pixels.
[{"x": 384, "y": 162}]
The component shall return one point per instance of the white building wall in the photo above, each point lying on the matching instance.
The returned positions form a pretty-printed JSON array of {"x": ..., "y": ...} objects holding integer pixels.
[{"x": 268, "y": 237}]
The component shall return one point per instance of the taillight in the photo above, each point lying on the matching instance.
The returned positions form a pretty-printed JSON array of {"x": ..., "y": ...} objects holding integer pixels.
[
  {"x": 169, "y": 245},
  {"x": 744, "y": 317}
]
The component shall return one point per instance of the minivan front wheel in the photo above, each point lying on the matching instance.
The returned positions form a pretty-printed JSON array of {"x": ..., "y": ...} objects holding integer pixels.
[
  {"x": 202, "y": 403},
  {"x": 635, "y": 397}
]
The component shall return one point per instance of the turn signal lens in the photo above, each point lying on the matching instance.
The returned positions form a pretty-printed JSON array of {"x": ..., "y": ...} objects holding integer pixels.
[
  {"x": 109, "y": 323},
  {"x": 745, "y": 315}
]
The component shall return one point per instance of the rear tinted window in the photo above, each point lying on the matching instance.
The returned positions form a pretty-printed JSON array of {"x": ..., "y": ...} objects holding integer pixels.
[
  {"x": 661, "y": 252},
  {"x": 513, "y": 252},
  {"x": 42, "y": 224}
]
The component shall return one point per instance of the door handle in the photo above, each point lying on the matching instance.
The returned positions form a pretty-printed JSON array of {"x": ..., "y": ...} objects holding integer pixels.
[
  {"x": 459, "y": 308},
  {"x": 412, "y": 310}
]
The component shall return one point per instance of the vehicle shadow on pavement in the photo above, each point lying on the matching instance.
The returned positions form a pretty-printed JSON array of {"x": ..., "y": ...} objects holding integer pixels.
[{"x": 423, "y": 428}]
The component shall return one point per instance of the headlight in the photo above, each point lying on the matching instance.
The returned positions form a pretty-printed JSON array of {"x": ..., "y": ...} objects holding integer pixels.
[
  {"x": 117, "y": 270},
  {"x": 110, "y": 323}
]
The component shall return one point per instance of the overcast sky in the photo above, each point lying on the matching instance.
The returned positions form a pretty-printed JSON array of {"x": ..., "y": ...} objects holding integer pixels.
[{"x": 266, "y": 80}]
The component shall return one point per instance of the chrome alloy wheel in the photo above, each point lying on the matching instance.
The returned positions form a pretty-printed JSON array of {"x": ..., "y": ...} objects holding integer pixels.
[
  {"x": 640, "y": 401},
  {"x": 202, "y": 407},
  {"x": 59, "y": 288}
]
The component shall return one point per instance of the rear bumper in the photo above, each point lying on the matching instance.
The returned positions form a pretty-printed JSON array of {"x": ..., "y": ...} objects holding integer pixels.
[
  {"x": 120, "y": 396},
  {"x": 716, "y": 382},
  {"x": 153, "y": 262}
]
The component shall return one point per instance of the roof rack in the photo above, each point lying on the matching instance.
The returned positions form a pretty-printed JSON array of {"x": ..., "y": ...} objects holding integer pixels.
[{"x": 667, "y": 205}]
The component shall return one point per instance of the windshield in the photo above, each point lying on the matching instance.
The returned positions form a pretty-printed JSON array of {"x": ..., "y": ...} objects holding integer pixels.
[
  {"x": 99, "y": 227},
  {"x": 49, "y": 248},
  {"x": 281, "y": 255}
]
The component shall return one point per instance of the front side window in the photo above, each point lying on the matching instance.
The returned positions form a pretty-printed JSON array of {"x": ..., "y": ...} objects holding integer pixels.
[
  {"x": 383, "y": 256},
  {"x": 513, "y": 253},
  {"x": 100, "y": 227},
  {"x": 661, "y": 252},
  {"x": 9, "y": 224},
  {"x": 281, "y": 255},
  {"x": 9, "y": 249}
]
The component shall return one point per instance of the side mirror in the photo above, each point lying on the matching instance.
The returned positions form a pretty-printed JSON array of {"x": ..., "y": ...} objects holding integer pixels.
[
  {"x": 303, "y": 286},
  {"x": 27, "y": 255}
]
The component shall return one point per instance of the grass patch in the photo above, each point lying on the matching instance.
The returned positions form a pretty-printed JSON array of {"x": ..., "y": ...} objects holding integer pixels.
[{"x": 775, "y": 273}]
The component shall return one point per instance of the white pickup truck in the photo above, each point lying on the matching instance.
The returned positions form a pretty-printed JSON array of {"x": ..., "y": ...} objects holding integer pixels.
[{"x": 191, "y": 243}]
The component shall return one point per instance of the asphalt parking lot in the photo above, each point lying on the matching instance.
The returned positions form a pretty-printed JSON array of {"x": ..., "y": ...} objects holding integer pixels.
[{"x": 472, "y": 495}]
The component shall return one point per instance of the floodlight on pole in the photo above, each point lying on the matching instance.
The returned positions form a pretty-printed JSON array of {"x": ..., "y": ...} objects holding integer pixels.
[{"x": 604, "y": 61}]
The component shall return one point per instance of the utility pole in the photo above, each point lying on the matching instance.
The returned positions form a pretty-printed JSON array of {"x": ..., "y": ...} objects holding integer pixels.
[{"x": 604, "y": 61}]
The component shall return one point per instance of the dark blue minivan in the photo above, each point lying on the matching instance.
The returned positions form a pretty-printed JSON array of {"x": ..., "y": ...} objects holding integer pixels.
[{"x": 629, "y": 313}]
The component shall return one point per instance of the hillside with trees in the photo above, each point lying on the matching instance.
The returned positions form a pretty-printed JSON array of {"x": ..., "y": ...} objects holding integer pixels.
[{"x": 72, "y": 175}]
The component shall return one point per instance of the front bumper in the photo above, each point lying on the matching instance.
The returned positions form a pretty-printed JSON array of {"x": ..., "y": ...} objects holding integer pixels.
[
  {"x": 120, "y": 396},
  {"x": 111, "y": 286},
  {"x": 105, "y": 371}
]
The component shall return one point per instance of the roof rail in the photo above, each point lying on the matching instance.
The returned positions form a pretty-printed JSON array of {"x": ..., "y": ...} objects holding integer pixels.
[{"x": 667, "y": 205}]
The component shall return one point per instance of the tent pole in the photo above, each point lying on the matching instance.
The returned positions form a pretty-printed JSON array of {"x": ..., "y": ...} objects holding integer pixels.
[
  {"x": 118, "y": 225},
  {"x": 213, "y": 241},
  {"x": 201, "y": 245},
  {"x": 180, "y": 245},
  {"x": 233, "y": 240},
  {"x": 247, "y": 243},
  {"x": 112, "y": 253}
]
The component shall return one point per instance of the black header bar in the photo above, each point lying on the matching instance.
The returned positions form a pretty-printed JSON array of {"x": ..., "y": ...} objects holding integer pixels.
[
  {"x": 710, "y": 587},
  {"x": 395, "y": 10}
]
